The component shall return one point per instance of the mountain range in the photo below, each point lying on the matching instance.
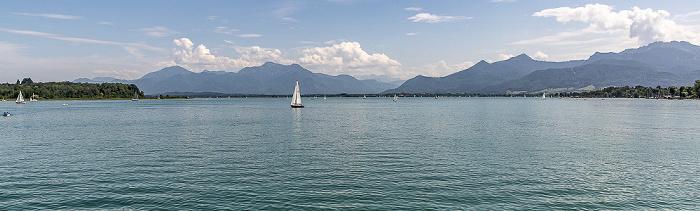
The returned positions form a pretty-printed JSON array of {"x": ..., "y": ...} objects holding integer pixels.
[
  {"x": 657, "y": 64},
  {"x": 267, "y": 79}
]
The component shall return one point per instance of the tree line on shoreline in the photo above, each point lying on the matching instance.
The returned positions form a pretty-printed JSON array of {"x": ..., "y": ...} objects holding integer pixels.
[
  {"x": 90, "y": 91},
  {"x": 68, "y": 90},
  {"x": 672, "y": 92}
]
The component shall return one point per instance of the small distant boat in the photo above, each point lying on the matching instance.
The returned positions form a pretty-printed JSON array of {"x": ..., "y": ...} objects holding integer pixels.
[
  {"x": 20, "y": 99},
  {"x": 296, "y": 98},
  {"x": 65, "y": 104},
  {"x": 436, "y": 96},
  {"x": 544, "y": 97},
  {"x": 32, "y": 98},
  {"x": 6, "y": 113},
  {"x": 324, "y": 97},
  {"x": 395, "y": 98},
  {"x": 364, "y": 96},
  {"x": 136, "y": 97}
]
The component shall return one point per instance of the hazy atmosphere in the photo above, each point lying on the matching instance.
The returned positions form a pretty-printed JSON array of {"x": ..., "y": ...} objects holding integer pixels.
[{"x": 65, "y": 40}]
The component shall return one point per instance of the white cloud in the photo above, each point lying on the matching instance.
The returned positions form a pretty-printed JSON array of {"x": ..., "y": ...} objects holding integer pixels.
[
  {"x": 224, "y": 30},
  {"x": 331, "y": 42},
  {"x": 413, "y": 8},
  {"x": 289, "y": 19},
  {"x": 199, "y": 58},
  {"x": 230, "y": 42},
  {"x": 540, "y": 56},
  {"x": 411, "y": 33},
  {"x": 505, "y": 56},
  {"x": 689, "y": 17},
  {"x": 644, "y": 25},
  {"x": 249, "y": 35},
  {"x": 430, "y": 18},
  {"x": 105, "y": 23},
  {"x": 129, "y": 47},
  {"x": 348, "y": 58},
  {"x": 216, "y": 18},
  {"x": 55, "y": 16},
  {"x": 158, "y": 31},
  {"x": 307, "y": 42},
  {"x": 441, "y": 68},
  {"x": 17, "y": 64},
  {"x": 437, "y": 69}
]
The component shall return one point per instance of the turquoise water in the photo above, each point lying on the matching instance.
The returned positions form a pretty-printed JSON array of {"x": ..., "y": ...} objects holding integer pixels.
[{"x": 350, "y": 153}]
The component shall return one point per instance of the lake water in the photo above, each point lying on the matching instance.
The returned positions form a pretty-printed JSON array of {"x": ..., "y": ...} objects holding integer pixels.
[{"x": 351, "y": 153}]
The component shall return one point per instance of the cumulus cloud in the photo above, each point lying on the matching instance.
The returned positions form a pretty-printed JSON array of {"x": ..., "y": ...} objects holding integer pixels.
[
  {"x": 411, "y": 33},
  {"x": 200, "y": 58},
  {"x": 645, "y": 25},
  {"x": 55, "y": 16},
  {"x": 540, "y": 56},
  {"x": 158, "y": 31},
  {"x": 413, "y": 8},
  {"x": 430, "y": 18},
  {"x": 348, "y": 58},
  {"x": 505, "y": 56}
]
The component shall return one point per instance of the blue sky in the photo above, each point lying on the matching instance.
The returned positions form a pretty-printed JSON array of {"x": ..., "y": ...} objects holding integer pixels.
[{"x": 65, "y": 40}]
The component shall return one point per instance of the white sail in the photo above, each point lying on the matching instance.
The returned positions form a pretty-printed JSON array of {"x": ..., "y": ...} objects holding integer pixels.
[
  {"x": 544, "y": 97},
  {"x": 20, "y": 99},
  {"x": 296, "y": 98},
  {"x": 136, "y": 97},
  {"x": 395, "y": 98}
]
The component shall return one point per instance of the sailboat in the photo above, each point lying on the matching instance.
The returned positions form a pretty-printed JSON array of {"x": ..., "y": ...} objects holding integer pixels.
[
  {"x": 20, "y": 99},
  {"x": 32, "y": 98},
  {"x": 364, "y": 96},
  {"x": 296, "y": 98},
  {"x": 395, "y": 98},
  {"x": 136, "y": 97},
  {"x": 544, "y": 97}
]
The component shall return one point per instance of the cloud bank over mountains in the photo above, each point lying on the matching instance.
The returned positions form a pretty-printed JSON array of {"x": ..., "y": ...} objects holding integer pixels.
[{"x": 342, "y": 58}]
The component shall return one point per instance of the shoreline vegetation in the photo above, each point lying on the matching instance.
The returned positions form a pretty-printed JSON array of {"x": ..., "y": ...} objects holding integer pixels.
[
  {"x": 68, "y": 90},
  {"x": 55, "y": 91}
]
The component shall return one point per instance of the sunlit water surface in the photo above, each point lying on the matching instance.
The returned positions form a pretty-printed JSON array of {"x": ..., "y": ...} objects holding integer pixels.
[{"x": 351, "y": 153}]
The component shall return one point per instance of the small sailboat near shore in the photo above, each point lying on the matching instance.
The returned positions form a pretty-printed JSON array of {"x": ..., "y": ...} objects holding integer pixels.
[
  {"x": 395, "y": 98},
  {"x": 33, "y": 98},
  {"x": 296, "y": 98},
  {"x": 20, "y": 99},
  {"x": 136, "y": 97}
]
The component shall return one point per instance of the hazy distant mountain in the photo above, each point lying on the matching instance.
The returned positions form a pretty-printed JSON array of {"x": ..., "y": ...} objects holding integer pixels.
[
  {"x": 269, "y": 78},
  {"x": 657, "y": 64},
  {"x": 674, "y": 57},
  {"x": 601, "y": 73},
  {"x": 96, "y": 80},
  {"x": 479, "y": 76}
]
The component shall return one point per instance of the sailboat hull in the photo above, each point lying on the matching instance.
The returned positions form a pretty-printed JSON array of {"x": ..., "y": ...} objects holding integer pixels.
[{"x": 297, "y": 106}]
